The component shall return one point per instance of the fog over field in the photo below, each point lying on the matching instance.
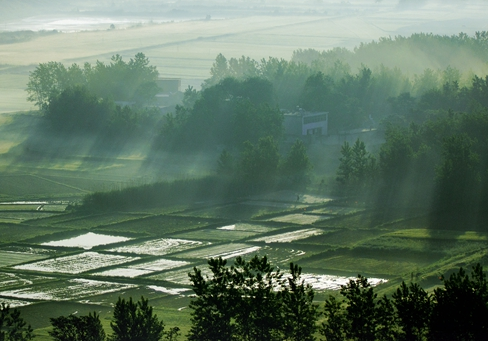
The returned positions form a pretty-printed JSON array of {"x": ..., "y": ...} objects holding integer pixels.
[{"x": 183, "y": 38}]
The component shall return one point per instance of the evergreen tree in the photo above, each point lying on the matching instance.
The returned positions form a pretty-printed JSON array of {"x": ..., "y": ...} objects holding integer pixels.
[
  {"x": 413, "y": 306},
  {"x": 335, "y": 324},
  {"x": 460, "y": 308},
  {"x": 296, "y": 166},
  {"x": 213, "y": 308},
  {"x": 12, "y": 325},
  {"x": 135, "y": 321},
  {"x": 77, "y": 328},
  {"x": 300, "y": 314}
]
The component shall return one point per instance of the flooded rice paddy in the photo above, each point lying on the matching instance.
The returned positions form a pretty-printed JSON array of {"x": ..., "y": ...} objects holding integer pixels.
[
  {"x": 52, "y": 270},
  {"x": 87, "y": 241}
]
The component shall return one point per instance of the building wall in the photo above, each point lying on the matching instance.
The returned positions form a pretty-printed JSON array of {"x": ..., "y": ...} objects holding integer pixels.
[
  {"x": 168, "y": 85},
  {"x": 315, "y": 124}
]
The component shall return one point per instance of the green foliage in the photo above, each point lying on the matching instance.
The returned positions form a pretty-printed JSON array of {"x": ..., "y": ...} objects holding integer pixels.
[
  {"x": 296, "y": 166},
  {"x": 335, "y": 320},
  {"x": 50, "y": 79},
  {"x": 357, "y": 169},
  {"x": 135, "y": 321},
  {"x": 241, "y": 302},
  {"x": 458, "y": 176},
  {"x": 75, "y": 109},
  {"x": 159, "y": 193},
  {"x": 460, "y": 307},
  {"x": 77, "y": 328},
  {"x": 213, "y": 308},
  {"x": 299, "y": 312},
  {"x": 12, "y": 325},
  {"x": 456, "y": 311},
  {"x": 413, "y": 306},
  {"x": 121, "y": 81},
  {"x": 227, "y": 113},
  {"x": 225, "y": 164},
  {"x": 258, "y": 165}
]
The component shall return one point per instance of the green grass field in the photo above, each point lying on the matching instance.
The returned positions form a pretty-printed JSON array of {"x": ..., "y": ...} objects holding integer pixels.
[{"x": 395, "y": 246}]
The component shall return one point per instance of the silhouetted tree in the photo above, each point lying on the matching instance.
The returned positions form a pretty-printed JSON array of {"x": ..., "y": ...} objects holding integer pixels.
[
  {"x": 460, "y": 308},
  {"x": 135, "y": 321},
  {"x": 413, "y": 306},
  {"x": 335, "y": 324},
  {"x": 296, "y": 166},
  {"x": 77, "y": 328},
  {"x": 299, "y": 312},
  {"x": 259, "y": 164},
  {"x": 12, "y": 325},
  {"x": 213, "y": 307}
]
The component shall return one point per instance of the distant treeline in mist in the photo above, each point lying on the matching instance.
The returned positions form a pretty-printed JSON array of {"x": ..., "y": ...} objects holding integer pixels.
[
  {"x": 243, "y": 97},
  {"x": 21, "y": 36},
  {"x": 355, "y": 87}
]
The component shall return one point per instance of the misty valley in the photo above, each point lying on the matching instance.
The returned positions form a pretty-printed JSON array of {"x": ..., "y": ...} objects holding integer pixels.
[{"x": 243, "y": 170}]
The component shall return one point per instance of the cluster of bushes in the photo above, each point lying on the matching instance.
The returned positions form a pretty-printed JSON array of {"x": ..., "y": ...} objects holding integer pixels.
[{"x": 159, "y": 193}]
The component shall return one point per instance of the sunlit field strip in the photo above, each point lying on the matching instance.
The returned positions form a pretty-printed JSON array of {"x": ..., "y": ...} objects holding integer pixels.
[
  {"x": 180, "y": 276},
  {"x": 298, "y": 218},
  {"x": 14, "y": 279},
  {"x": 142, "y": 269},
  {"x": 225, "y": 251},
  {"x": 330, "y": 282},
  {"x": 279, "y": 256},
  {"x": 77, "y": 263},
  {"x": 290, "y": 236},
  {"x": 65, "y": 291},
  {"x": 217, "y": 234},
  {"x": 8, "y": 258},
  {"x": 318, "y": 282},
  {"x": 169, "y": 291},
  {"x": 14, "y": 303},
  {"x": 159, "y": 247},
  {"x": 247, "y": 227}
]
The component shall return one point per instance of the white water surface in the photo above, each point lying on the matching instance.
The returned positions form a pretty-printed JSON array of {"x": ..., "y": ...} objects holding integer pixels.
[{"x": 87, "y": 241}]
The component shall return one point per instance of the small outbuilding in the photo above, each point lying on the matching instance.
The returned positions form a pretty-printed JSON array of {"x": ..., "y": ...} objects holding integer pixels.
[{"x": 302, "y": 123}]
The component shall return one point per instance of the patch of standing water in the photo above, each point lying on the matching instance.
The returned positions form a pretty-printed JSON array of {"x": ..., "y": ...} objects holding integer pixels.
[
  {"x": 159, "y": 247},
  {"x": 290, "y": 236},
  {"x": 331, "y": 282},
  {"x": 88, "y": 240},
  {"x": 76, "y": 264},
  {"x": 170, "y": 291}
]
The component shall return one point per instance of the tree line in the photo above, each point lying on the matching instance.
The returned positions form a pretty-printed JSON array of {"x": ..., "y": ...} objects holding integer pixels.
[
  {"x": 259, "y": 167},
  {"x": 252, "y": 300},
  {"x": 242, "y": 98},
  {"x": 83, "y": 99},
  {"x": 434, "y": 156}
]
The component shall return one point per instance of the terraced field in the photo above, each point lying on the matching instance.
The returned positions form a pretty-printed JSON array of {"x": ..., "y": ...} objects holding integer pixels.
[{"x": 88, "y": 261}]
